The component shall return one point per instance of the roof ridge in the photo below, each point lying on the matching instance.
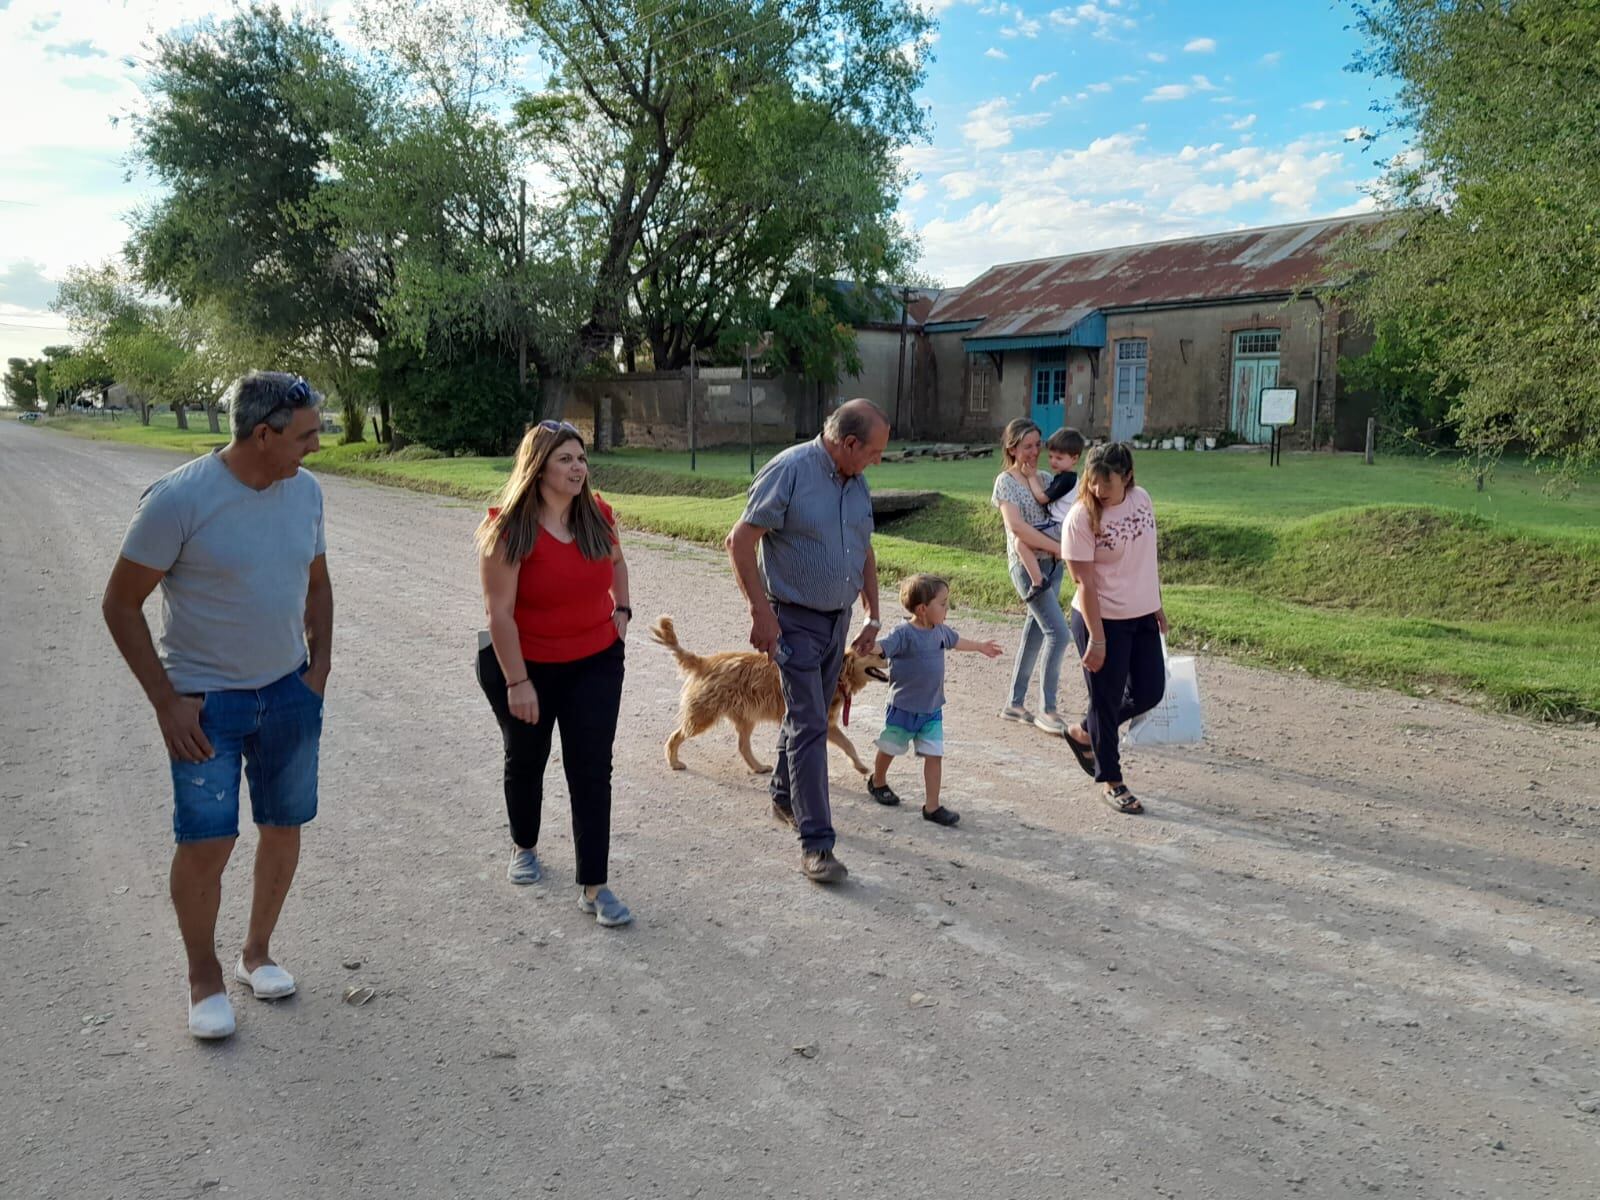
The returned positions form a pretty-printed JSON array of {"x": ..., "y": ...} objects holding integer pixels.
[{"x": 1194, "y": 237}]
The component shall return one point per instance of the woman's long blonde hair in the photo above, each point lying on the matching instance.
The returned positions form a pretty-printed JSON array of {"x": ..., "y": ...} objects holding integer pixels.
[
  {"x": 515, "y": 524},
  {"x": 1115, "y": 458},
  {"x": 1016, "y": 429}
]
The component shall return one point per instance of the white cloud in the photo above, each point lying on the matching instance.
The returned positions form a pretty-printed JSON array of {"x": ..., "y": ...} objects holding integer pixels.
[
  {"x": 1097, "y": 88},
  {"x": 1202, "y": 84},
  {"x": 1169, "y": 91},
  {"x": 1101, "y": 21},
  {"x": 1117, "y": 190},
  {"x": 1357, "y": 133},
  {"x": 1156, "y": 56},
  {"x": 1315, "y": 105},
  {"x": 999, "y": 55},
  {"x": 1202, "y": 45},
  {"x": 1040, "y": 80},
  {"x": 1272, "y": 59},
  {"x": 992, "y": 124},
  {"x": 1244, "y": 122}
]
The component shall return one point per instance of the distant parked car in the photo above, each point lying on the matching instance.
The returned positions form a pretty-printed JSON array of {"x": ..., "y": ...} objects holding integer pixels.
[{"x": 29, "y": 417}]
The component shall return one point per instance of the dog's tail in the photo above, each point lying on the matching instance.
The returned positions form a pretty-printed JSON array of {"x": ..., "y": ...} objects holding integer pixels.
[{"x": 664, "y": 633}]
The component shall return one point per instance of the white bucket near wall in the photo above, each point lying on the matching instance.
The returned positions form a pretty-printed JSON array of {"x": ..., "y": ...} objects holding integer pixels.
[{"x": 1177, "y": 443}]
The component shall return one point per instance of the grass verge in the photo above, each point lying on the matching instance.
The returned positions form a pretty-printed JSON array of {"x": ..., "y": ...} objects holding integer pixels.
[{"x": 1274, "y": 567}]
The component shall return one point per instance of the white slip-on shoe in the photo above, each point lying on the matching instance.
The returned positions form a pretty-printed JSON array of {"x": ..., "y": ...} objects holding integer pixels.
[
  {"x": 212, "y": 1018},
  {"x": 268, "y": 981}
]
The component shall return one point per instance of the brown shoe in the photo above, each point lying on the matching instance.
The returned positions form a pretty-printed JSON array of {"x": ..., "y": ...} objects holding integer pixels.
[
  {"x": 820, "y": 866},
  {"x": 785, "y": 816}
]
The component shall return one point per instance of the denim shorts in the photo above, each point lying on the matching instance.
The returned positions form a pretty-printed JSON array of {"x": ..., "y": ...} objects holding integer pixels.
[{"x": 272, "y": 733}]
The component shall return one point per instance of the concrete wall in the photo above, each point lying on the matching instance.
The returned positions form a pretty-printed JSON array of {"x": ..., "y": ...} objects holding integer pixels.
[{"x": 650, "y": 408}]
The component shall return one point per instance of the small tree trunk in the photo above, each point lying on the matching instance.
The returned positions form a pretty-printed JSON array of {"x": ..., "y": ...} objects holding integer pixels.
[
  {"x": 213, "y": 423},
  {"x": 145, "y": 409},
  {"x": 182, "y": 414},
  {"x": 385, "y": 425}
]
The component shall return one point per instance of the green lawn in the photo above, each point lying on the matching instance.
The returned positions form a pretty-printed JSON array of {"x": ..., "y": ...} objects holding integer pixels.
[{"x": 1400, "y": 574}]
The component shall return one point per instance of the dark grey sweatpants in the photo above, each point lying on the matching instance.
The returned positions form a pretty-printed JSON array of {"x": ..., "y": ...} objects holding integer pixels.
[{"x": 815, "y": 641}]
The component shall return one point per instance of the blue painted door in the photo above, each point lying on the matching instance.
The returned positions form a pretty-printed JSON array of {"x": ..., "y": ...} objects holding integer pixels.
[
  {"x": 1049, "y": 397},
  {"x": 1255, "y": 366},
  {"x": 1127, "y": 397}
]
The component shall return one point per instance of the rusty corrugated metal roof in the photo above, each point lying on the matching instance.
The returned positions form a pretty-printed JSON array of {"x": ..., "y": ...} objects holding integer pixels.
[{"x": 1050, "y": 295}]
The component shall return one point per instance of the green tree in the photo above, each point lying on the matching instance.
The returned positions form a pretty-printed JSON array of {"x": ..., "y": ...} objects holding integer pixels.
[
  {"x": 1413, "y": 402},
  {"x": 244, "y": 120},
  {"x": 1492, "y": 266},
  {"x": 22, "y": 382},
  {"x": 439, "y": 183},
  {"x": 709, "y": 152}
]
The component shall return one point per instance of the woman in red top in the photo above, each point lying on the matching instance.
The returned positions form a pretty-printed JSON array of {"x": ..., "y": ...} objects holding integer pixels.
[{"x": 555, "y": 586}]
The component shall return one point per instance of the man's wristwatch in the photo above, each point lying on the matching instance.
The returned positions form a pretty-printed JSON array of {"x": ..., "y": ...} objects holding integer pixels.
[
  {"x": 872, "y": 623},
  {"x": 622, "y": 608}
]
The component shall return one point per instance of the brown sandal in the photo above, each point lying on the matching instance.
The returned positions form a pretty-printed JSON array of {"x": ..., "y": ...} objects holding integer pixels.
[{"x": 1121, "y": 799}]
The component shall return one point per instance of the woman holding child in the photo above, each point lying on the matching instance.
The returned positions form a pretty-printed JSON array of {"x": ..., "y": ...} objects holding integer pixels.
[
  {"x": 1025, "y": 495},
  {"x": 1117, "y": 619}
]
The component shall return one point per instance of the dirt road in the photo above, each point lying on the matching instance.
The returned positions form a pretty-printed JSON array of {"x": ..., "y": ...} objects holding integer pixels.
[{"x": 1352, "y": 950}]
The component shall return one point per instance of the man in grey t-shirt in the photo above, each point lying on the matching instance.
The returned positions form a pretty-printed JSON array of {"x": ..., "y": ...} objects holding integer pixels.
[
  {"x": 235, "y": 542},
  {"x": 810, "y": 514}
]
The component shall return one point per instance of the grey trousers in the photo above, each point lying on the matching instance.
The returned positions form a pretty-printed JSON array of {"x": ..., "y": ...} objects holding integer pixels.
[{"x": 815, "y": 642}]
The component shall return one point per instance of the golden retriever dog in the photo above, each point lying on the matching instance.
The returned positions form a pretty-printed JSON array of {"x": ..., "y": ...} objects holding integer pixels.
[{"x": 745, "y": 688}]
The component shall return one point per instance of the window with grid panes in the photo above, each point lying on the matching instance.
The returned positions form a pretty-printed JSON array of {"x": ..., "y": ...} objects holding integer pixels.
[
  {"x": 1259, "y": 341},
  {"x": 982, "y": 381}
]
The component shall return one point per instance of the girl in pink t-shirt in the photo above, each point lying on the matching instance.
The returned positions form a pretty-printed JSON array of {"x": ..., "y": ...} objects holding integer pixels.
[{"x": 1109, "y": 544}]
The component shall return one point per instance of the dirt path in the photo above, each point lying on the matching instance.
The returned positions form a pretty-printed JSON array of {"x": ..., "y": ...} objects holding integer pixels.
[{"x": 1353, "y": 950}]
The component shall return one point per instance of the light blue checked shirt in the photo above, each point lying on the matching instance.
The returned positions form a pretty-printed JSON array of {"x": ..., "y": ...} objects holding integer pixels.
[{"x": 819, "y": 528}]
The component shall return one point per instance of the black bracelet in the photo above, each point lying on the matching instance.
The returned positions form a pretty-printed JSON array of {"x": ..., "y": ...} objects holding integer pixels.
[
  {"x": 622, "y": 608},
  {"x": 518, "y": 683}
]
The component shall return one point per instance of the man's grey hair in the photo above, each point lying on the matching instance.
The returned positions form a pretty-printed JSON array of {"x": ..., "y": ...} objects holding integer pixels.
[
  {"x": 269, "y": 397},
  {"x": 854, "y": 418}
]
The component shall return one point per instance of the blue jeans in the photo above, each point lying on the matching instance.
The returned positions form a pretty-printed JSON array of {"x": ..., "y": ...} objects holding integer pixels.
[
  {"x": 1044, "y": 627},
  {"x": 816, "y": 642},
  {"x": 271, "y": 733}
]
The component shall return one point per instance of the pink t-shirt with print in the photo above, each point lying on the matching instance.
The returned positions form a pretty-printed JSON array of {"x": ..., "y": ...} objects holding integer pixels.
[{"x": 1124, "y": 555}]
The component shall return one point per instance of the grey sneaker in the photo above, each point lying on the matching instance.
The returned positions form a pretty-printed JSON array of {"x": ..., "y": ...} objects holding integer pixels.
[
  {"x": 524, "y": 867},
  {"x": 1050, "y": 723},
  {"x": 605, "y": 906},
  {"x": 1015, "y": 712}
]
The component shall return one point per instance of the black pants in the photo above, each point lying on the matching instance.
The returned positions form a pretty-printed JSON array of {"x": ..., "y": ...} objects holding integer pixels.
[
  {"x": 1131, "y": 681},
  {"x": 583, "y": 698}
]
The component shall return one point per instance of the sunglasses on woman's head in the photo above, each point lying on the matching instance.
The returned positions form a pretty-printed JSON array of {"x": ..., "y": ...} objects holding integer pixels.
[{"x": 559, "y": 426}]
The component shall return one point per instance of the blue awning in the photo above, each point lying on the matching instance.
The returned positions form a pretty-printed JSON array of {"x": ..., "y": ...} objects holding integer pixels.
[{"x": 1089, "y": 331}]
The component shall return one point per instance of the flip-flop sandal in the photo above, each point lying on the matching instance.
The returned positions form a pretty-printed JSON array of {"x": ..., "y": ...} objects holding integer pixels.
[
  {"x": 1121, "y": 799},
  {"x": 1084, "y": 754}
]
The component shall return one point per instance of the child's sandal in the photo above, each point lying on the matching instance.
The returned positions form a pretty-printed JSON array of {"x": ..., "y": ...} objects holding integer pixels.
[
  {"x": 883, "y": 795},
  {"x": 941, "y": 816}
]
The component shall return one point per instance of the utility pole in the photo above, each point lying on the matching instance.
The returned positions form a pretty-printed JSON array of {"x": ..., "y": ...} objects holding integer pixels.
[
  {"x": 690, "y": 422},
  {"x": 900, "y": 371},
  {"x": 750, "y": 399}
]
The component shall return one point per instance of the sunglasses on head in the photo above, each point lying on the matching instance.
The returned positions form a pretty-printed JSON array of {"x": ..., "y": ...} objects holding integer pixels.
[{"x": 559, "y": 426}]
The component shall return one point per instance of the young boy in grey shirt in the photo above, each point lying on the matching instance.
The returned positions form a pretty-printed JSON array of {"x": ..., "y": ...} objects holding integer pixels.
[{"x": 916, "y": 691}]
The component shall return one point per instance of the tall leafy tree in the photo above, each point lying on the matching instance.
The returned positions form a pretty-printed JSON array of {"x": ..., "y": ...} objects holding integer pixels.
[
  {"x": 706, "y": 148},
  {"x": 1492, "y": 268},
  {"x": 22, "y": 382},
  {"x": 242, "y": 125}
]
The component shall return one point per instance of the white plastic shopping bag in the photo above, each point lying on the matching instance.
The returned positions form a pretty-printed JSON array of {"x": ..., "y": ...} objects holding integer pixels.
[{"x": 1176, "y": 720}]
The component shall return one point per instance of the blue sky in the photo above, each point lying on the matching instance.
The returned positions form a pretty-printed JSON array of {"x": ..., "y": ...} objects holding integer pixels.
[{"x": 1055, "y": 128}]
